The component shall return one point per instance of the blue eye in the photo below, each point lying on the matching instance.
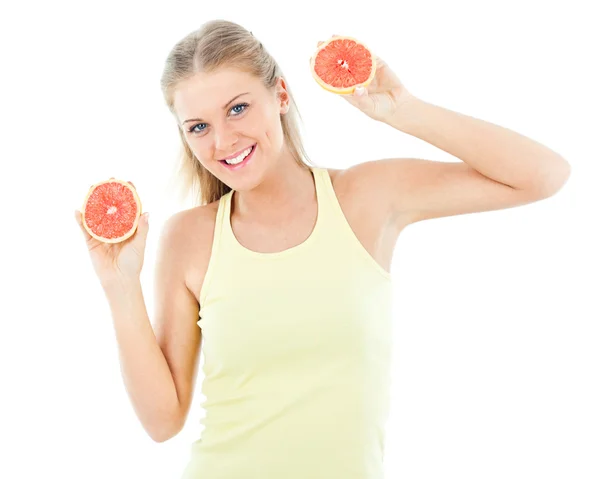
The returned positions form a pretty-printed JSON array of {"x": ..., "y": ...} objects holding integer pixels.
[
  {"x": 244, "y": 106},
  {"x": 191, "y": 130}
]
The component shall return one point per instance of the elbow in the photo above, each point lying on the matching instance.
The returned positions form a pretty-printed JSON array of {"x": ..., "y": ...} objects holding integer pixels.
[
  {"x": 164, "y": 435},
  {"x": 160, "y": 437},
  {"x": 166, "y": 431},
  {"x": 552, "y": 180}
]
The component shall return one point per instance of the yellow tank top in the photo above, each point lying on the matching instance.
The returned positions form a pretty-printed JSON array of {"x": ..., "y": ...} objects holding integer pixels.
[{"x": 297, "y": 350}]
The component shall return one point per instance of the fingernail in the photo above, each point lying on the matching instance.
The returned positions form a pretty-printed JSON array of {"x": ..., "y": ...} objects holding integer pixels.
[{"x": 359, "y": 91}]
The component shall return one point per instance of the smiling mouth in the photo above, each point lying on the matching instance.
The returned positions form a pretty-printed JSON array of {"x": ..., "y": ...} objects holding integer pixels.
[
  {"x": 250, "y": 151},
  {"x": 235, "y": 155}
]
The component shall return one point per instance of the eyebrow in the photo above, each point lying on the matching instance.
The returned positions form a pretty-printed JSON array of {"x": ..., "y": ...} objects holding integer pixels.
[{"x": 224, "y": 106}]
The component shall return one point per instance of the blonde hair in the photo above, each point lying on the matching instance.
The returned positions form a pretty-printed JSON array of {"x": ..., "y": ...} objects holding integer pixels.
[{"x": 216, "y": 44}]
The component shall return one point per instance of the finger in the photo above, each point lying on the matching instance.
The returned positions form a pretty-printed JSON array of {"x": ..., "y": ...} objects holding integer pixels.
[
  {"x": 80, "y": 223},
  {"x": 332, "y": 36},
  {"x": 360, "y": 91},
  {"x": 112, "y": 178},
  {"x": 357, "y": 91},
  {"x": 141, "y": 232}
]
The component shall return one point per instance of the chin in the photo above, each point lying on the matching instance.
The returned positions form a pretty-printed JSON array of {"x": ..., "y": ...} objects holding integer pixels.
[{"x": 246, "y": 177}]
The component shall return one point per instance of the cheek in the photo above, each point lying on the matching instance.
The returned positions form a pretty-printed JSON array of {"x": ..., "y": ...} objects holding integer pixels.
[
  {"x": 204, "y": 163},
  {"x": 212, "y": 168},
  {"x": 201, "y": 153},
  {"x": 275, "y": 133},
  {"x": 266, "y": 120},
  {"x": 272, "y": 129}
]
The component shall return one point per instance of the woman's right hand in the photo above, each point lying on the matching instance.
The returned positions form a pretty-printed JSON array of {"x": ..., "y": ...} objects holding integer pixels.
[{"x": 117, "y": 262}]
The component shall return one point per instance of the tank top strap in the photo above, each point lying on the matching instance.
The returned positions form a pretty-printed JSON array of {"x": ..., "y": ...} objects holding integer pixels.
[
  {"x": 336, "y": 231},
  {"x": 228, "y": 240},
  {"x": 333, "y": 218},
  {"x": 217, "y": 244}
]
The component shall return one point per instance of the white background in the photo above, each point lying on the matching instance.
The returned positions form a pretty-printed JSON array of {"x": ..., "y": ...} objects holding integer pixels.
[{"x": 496, "y": 359}]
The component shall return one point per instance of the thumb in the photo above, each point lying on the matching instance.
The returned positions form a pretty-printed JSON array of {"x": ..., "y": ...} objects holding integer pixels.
[
  {"x": 79, "y": 220},
  {"x": 359, "y": 97},
  {"x": 143, "y": 227}
]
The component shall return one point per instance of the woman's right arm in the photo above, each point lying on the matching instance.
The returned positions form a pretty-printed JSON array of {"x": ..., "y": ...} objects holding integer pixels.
[{"x": 158, "y": 365}]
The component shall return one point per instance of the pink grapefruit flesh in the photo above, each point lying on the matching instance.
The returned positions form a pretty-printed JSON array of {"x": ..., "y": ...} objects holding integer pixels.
[
  {"x": 342, "y": 63},
  {"x": 111, "y": 210}
]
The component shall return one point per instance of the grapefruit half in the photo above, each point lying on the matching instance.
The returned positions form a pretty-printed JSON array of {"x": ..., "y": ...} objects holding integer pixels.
[
  {"x": 111, "y": 210},
  {"x": 342, "y": 63}
]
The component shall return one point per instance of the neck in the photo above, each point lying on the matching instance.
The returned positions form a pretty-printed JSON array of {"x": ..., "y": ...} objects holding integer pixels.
[{"x": 285, "y": 190}]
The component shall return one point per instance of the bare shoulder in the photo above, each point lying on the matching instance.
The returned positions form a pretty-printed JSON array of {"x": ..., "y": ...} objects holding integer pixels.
[
  {"x": 189, "y": 227},
  {"x": 356, "y": 184},
  {"x": 191, "y": 233},
  {"x": 359, "y": 198},
  {"x": 351, "y": 182},
  {"x": 344, "y": 185},
  {"x": 334, "y": 174}
]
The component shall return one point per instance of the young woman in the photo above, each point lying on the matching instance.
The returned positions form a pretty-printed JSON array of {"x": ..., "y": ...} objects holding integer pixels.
[{"x": 282, "y": 269}]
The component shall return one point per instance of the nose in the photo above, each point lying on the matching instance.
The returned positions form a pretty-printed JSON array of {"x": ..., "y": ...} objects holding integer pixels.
[{"x": 225, "y": 138}]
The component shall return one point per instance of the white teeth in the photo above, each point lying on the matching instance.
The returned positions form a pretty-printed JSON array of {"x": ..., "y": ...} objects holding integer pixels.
[{"x": 239, "y": 158}]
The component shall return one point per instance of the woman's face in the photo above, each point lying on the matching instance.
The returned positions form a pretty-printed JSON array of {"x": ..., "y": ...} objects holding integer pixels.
[{"x": 230, "y": 112}]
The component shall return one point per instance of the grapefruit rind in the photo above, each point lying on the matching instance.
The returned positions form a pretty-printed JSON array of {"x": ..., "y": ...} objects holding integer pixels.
[
  {"x": 350, "y": 89},
  {"x": 137, "y": 217}
]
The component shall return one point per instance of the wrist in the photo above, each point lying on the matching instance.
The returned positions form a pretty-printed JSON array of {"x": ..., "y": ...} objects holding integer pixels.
[
  {"x": 407, "y": 114},
  {"x": 121, "y": 284}
]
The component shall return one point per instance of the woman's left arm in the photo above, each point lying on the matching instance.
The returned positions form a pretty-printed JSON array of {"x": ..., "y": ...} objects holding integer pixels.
[{"x": 500, "y": 168}]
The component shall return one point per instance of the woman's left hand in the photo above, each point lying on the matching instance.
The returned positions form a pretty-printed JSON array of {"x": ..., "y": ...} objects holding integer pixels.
[{"x": 383, "y": 97}]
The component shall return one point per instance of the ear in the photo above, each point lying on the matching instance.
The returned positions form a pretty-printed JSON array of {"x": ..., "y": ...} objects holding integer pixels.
[{"x": 282, "y": 96}]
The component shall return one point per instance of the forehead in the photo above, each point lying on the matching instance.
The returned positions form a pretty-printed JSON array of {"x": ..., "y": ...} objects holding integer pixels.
[{"x": 205, "y": 92}]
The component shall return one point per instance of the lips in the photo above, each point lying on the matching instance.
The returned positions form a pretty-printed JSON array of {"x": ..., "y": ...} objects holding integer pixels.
[
  {"x": 235, "y": 155},
  {"x": 243, "y": 163}
]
